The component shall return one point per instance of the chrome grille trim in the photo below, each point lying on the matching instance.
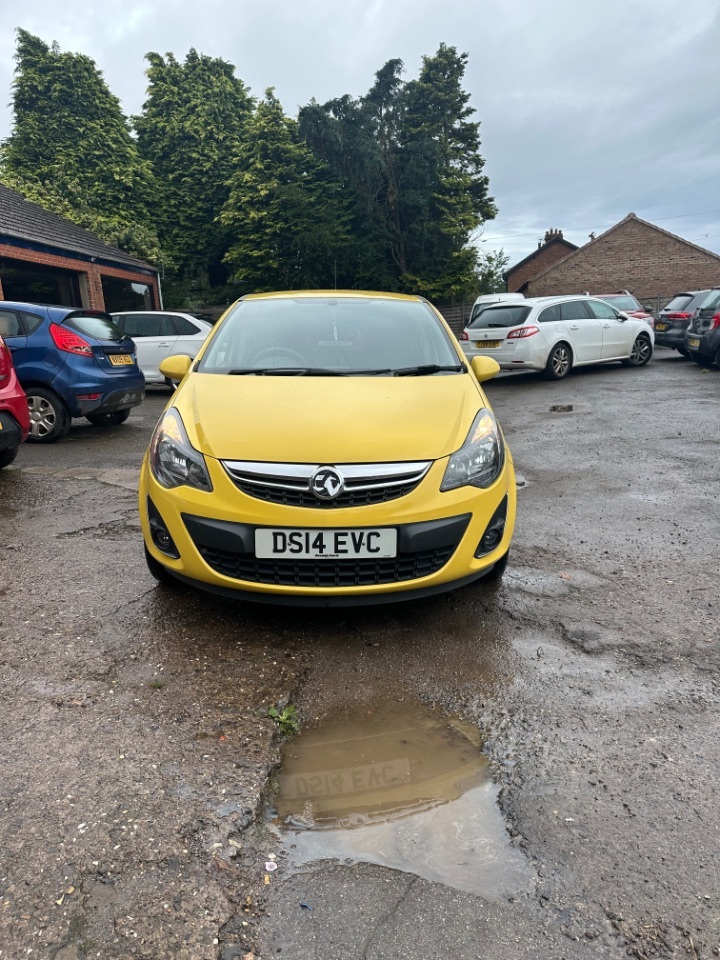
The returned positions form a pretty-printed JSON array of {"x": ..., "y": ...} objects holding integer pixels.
[{"x": 289, "y": 483}]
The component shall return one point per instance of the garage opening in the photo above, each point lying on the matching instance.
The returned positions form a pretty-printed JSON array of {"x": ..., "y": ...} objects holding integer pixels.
[{"x": 35, "y": 284}]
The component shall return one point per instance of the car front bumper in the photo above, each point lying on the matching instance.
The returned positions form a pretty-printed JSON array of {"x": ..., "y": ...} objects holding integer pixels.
[{"x": 438, "y": 537}]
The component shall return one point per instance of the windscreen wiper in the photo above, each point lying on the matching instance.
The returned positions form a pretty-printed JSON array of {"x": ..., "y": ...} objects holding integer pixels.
[
  {"x": 427, "y": 369},
  {"x": 286, "y": 372}
]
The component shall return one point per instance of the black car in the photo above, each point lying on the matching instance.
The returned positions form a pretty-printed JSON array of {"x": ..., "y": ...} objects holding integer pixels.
[
  {"x": 672, "y": 321},
  {"x": 702, "y": 337}
]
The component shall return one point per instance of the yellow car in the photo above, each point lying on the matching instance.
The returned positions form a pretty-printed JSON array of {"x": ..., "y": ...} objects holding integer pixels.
[{"x": 328, "y": 448}]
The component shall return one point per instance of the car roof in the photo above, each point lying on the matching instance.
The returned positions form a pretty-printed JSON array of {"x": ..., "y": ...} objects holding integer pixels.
[
  {"x": 55, "y": 311},
  {"x": 334, "y": 294}
]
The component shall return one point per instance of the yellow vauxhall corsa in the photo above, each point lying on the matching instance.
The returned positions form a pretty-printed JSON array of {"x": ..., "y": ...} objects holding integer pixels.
[{"x": 328, "y": 448}]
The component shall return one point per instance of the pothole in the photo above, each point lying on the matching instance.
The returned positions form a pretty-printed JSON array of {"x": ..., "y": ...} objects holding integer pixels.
[{"x": 402, "y": 787}]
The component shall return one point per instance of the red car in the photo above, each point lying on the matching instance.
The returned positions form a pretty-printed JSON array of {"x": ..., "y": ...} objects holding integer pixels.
[
  {"x": 622, "y": 300},
  {"x": 14, "y": 413}
]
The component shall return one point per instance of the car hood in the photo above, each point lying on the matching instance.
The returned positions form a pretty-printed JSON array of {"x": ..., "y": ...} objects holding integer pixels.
[{"x": 328, "y": 419}]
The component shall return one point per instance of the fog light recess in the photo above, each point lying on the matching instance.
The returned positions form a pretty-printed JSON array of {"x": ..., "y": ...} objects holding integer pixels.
[
  {"x": 494, "y": 531},
  {"x": 160, "y": 533}
]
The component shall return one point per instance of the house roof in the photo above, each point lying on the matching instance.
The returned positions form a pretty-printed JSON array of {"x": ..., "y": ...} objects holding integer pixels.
[
  {"x": 29, "y": 222},
  {"x": 531, "y": 256},
  {"x": 629, "y": 217}
]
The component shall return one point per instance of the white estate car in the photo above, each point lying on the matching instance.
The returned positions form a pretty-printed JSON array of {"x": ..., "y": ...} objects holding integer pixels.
[
  {"x": 555, "y": 334},
  {"x": 159, "y": 334}
]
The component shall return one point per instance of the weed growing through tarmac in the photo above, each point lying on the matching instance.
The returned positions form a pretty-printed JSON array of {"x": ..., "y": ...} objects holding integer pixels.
[{"x": 286, "y": 719}]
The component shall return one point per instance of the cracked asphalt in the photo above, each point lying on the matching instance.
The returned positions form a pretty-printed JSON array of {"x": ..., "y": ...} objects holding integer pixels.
[{"x": 138, "y": 760}]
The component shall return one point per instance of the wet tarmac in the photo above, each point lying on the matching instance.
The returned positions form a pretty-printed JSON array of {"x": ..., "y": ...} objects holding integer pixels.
[{"x": 566, "y": 719}]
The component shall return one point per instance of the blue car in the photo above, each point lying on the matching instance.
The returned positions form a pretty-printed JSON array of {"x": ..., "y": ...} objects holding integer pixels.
[{"x": 71, "y": 362}]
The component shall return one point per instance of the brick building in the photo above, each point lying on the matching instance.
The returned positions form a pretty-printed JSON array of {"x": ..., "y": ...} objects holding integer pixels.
[
  {"x": 554, "y": 248},
  {"x": 633, "y": 255},
  {"x": 45, "y": 258}
]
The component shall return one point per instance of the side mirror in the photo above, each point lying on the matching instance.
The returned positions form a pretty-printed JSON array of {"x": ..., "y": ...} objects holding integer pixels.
[
  {"x": 484, "y": 368},
  {"x": 175, "y": 367},
  {"x": 622, "y": 315}
]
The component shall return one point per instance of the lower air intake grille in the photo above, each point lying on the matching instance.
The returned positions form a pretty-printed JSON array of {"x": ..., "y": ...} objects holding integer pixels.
[{"x": 327, "y": 573}]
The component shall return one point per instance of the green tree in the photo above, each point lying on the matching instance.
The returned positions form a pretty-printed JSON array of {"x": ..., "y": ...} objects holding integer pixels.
[
  {"x": 285, "y": 216},
  {"x": 71, "y": 149},
  {"x": 445, "y": 193},
  {"x": 491, "y": 271},
  {"x": 190, "y": 130}
]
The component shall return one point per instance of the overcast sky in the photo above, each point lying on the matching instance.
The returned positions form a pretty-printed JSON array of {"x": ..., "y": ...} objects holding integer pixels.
[{"x": 589, "y": 110}]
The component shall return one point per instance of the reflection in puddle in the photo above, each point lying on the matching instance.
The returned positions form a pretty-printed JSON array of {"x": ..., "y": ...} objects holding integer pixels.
[{"x": 401, "y": 787}]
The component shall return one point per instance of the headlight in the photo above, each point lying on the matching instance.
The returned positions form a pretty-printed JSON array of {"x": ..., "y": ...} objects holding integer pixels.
[
  {"x": 173, "y": 461},
  {"x": 480, "y": 459}
]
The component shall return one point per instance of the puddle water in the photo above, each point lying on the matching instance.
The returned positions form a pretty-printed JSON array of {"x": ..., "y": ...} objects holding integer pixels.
[{"x": 402, "y": 787}]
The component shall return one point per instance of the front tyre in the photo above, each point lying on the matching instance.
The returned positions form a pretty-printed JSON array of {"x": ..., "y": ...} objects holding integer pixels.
[
  {"x": 49, "y": 417},
  {"x": 160, "y": 573},
  {"x": 499, "y": 569},
  {"x": 640, "y": 353},
  {"x": 559, "y": 363},
  {"x": 113, "y": 419}
]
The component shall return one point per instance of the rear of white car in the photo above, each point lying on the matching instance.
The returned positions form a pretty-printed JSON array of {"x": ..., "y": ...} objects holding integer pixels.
[
  {"x": 158, "y": 334},
  {"x": 554, "y": 334}
]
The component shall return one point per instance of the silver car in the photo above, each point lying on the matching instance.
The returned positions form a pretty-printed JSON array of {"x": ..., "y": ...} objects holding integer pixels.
[{"x": 555, "y": 334}]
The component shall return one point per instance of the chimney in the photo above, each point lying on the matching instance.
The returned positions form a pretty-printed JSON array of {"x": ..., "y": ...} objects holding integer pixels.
[{"x": 553, "y": 234}]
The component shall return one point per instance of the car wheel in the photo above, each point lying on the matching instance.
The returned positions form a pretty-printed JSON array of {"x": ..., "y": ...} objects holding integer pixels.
[
  {"x": 108, "y": 419},
  {"x": 499, "y": 569},
  {"x": 640, "y": 353},
  {"x": 49, "y": 417},
  {"x": 160, "y": 573},
  {"x": 559, "y": 363},
  {"x": 7, "y": 456},
  {"x": 683, "y": 352}
]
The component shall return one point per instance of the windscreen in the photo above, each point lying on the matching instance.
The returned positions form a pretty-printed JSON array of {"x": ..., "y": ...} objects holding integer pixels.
[
  {"x": 622, "y": 302},
  {"x": 98, "y": 325},
  {"x": 330, "y": 335},
  {"x": 502, "y": 315}
]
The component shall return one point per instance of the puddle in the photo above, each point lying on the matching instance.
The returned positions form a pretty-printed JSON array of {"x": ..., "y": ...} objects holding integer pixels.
[{"x": 402, "y": 787}]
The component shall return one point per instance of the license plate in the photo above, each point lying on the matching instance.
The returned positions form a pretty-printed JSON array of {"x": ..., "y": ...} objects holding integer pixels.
[
  {"x": 325, "y": 544},
  {"x": 120, "y": 359},
  {"x": 488, "y": 343},
  {"x": 661, "y": 326},
  {"x": 693, "y": 342}
]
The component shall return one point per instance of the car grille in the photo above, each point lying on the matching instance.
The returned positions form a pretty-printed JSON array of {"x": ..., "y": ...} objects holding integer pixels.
[
  {"x": 327, "y": 573},
  {"x": 289, "y": 483}
]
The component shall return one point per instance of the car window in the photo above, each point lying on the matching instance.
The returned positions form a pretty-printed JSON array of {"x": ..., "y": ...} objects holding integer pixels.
[
  {"x": 697, "y": 301},
  {"x": 139, "y": 325},
  {"x": 623, "y": 302},
  {"x": 574, "y": 310},
  {"x": 601, "y": 310},
  {"x": 342, "y": 335},
  {"x": 184, "y": 327},
  {"x": 678, "y": 302},
  {"x": 9, "y": 324},
  {"x": 101, "y": 326},
  {"x": 712, "y": 300},
  {"x": 30, "y": 322},
  {"x": 550, "y": 314},
  {"x": 503, "y": 315}
]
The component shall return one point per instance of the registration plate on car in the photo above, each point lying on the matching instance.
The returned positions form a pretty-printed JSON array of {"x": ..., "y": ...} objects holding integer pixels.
[
  {"x": 693, "y": 342},
  {"x": 323, "y": 544},
  {"x": 120, "y": 359},
  {"x": 661, "y": 326},
  {"x": 488, "y": 343}
]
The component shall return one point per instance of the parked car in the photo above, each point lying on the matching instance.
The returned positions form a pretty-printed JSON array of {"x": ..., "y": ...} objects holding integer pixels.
[
  {"x": 625, "y": 301},
  {"x": 485, "y": 299},
  {"x": 14, "y": 413},
  {"x": 328, "y": 449},
  {"x": 555, "y": 334},
  {"x": 158, "y": 334},
  {"x": 71, "y": 363},
  {"x": 672, "y": 321},
  {"x": 702, "y": 337}
]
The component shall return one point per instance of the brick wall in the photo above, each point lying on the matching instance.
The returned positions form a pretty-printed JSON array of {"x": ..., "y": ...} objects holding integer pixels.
[
  {"x": 634, "y": 256},
  {"x": 89, "y": 274},
  {"x": 545, "y": 257}
]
